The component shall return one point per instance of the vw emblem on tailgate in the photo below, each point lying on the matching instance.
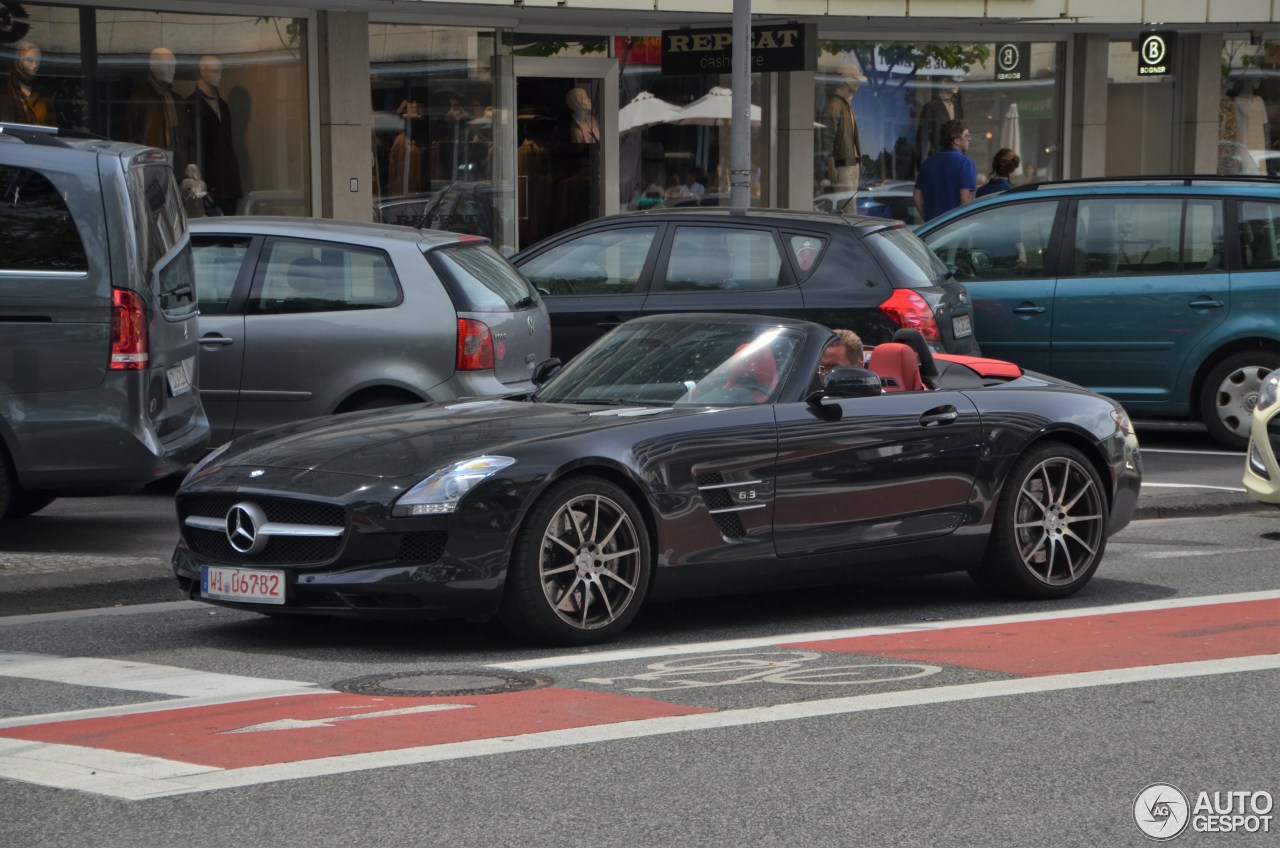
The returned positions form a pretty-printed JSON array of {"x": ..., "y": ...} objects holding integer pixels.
[{"x": 245, "y": 521}]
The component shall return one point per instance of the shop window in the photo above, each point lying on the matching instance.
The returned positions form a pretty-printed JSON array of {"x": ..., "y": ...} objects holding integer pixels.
[
  {"x": 878, "y": 107},
  {"x": 226, "y": 96},
  {"x": 1248, "y": 127}
]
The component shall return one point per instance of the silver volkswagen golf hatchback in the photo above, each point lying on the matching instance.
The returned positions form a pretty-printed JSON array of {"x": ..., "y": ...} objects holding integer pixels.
[
  {"x": 301, "y": 317},
  {"x": 97, "y": 320}
]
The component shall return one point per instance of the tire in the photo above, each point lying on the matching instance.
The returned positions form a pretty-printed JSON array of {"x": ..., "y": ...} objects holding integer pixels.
[
  {"x": 1230, "y": 393},
  {"x": 581, "y": 565},
  {"x": 6, "y": 484},
  {"x": 22, "y": 504},
  {"x": 1050, "y": 527}
]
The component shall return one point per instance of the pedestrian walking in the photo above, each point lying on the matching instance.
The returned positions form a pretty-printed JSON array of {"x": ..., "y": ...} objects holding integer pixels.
[{"x": 948, "y": 178}]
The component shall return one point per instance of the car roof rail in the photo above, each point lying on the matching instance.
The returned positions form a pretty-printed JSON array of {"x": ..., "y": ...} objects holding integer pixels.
[
  {"x": 1153, "y": 179},
  {"x": 40, "y": 134}
]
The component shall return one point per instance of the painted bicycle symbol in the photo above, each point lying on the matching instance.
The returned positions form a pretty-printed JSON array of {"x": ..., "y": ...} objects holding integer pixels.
[{"x": 786, "y": 667}]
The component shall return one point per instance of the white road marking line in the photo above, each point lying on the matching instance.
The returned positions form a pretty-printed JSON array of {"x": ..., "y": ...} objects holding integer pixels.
[
  {"x": 831, "y": 635},
  {"x": 137, "y": 676},
  {"x": 135, "y": 778},
  {"x": 1188, "y": 552},
  {"x": 1146, "y": 485},
  {"x": 135, "y": 609},
  {"x": 1195, "y": 452}
]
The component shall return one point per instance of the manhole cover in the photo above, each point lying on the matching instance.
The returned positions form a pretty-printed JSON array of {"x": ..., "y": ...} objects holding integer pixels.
[{"x": 426, "y": 684}]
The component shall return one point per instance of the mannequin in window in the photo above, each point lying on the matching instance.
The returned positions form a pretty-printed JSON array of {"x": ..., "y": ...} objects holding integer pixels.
[
  {"x": 1251, "y": 116},
  {"x": 21, "y": 100},
  {"x": 585, "y": 129},
  {"x": 839, "y": 134},
  {"x": 942, "y": 107},
  {"x": 405, "y": 165},
  {"x": 211, "y": 144},
  {"x": 152, "y": 115}
]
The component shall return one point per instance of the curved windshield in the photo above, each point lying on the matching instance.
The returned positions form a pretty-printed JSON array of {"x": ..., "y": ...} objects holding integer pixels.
[{"x": 680, "y": 362}]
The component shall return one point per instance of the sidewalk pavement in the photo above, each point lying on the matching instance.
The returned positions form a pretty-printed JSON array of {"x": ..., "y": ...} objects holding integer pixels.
[{"x": 41, "y": 582}]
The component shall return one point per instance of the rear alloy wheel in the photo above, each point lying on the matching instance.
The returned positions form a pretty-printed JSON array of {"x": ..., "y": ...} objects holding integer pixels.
[
  {"x": 581, "y": 565},
  {"x": 1231, "y": 392},
  {"x": 1050, "y": 527}
]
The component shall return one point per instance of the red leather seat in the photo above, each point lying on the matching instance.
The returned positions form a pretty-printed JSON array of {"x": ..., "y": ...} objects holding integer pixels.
[
  {"x": 756, "y": 370},
  {"x": 897, "y": 366}
]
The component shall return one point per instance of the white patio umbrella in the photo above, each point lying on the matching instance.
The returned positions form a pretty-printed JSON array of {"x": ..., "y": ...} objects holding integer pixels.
[
  {"x": 1011, "y": 133},
  {"x": 645, "y": 111},
  {"x": 713, "y": 109}
]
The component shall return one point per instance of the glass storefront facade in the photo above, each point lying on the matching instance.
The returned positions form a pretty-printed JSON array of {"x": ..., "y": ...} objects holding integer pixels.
[
  {"x": 517, "y": 135},
  {"x": 225, "y": 95},
  {"x": 1249, "y": 117},
  {"x": 879, "y": 106}
]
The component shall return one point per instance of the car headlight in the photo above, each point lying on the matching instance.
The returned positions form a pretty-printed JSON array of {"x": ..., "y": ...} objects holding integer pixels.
[
  {"x": 441, "y": 492},
  {"x": 1270, "y": 390}
]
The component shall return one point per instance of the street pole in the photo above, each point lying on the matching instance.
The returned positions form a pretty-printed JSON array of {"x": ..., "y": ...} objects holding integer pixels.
[{"x": 740, "y": 110}]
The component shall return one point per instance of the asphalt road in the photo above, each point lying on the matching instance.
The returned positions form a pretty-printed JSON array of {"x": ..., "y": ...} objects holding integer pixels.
[{"x": 1109, "y": 691}]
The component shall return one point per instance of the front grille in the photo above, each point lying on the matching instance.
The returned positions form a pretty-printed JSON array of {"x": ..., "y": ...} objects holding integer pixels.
[
  {"x": 282, "y": 510},
  {"x": 280, "y": 550}
]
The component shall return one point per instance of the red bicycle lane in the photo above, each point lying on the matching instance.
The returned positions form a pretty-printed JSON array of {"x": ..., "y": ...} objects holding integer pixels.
[{"x": 275, "y": 738}]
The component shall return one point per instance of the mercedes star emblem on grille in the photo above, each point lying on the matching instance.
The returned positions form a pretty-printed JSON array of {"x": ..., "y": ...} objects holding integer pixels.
[{"x": 244, "y": 523}]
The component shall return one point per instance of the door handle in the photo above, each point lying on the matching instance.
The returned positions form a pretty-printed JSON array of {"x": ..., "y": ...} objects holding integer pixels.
[
  {"x": 1206, "y": 302},
  {"x": 1028, "y": 309},
  {"x": 938, "y": 416},
  {"x": 216, "y": 341}
]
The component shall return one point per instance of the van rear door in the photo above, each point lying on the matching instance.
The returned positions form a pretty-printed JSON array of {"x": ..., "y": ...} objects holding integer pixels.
[{"x": 162, "y": 273}]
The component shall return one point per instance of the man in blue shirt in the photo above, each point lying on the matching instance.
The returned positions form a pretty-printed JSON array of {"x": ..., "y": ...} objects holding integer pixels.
[{"x": 948, "y": 178}]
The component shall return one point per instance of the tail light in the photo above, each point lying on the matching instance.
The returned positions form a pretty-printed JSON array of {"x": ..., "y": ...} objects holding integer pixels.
[
  {"x": 128, "y": 331},
  {"x": 908, "y": 309},
  {"x": 475, "y": 346}
]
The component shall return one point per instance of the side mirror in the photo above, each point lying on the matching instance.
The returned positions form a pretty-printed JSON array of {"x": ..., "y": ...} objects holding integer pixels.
[
  {"x": 545, "y": 370},
  {"x": 844, "y": 382},
  {"x": 849, "y": 381}
]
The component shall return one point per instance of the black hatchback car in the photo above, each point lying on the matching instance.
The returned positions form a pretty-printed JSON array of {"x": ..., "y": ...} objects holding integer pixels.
[{"x": 869, "y": 275}]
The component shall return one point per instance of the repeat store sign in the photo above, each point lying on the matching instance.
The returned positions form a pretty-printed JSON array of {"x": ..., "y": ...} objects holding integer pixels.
[{"x": 790, "y": 47}]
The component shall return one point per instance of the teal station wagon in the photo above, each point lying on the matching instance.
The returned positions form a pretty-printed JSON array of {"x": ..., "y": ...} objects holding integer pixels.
[{"x": 1160, "y": 292}]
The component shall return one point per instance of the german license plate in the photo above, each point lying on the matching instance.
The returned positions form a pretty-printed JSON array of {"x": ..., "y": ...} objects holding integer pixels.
[
  {"x": 246, "y": 585},
  {"x": 961, "y": 326},
  {"x": 179, "y": 382}
]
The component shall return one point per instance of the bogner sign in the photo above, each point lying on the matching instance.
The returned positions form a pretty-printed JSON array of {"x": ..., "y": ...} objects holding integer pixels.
[{"x": 788, "y": 47}]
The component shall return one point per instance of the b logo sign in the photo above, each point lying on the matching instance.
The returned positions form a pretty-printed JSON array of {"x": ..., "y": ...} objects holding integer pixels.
[
  {"x": 1013, "y": 61},
  {"x": 1155, "y": 51}
]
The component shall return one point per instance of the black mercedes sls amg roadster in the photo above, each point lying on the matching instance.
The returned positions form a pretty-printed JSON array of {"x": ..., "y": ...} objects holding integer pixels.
[{"x": 678, "y": 455}]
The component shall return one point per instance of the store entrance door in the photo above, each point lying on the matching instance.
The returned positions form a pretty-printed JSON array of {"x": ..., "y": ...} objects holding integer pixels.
[{"x": 566, "y": 144}]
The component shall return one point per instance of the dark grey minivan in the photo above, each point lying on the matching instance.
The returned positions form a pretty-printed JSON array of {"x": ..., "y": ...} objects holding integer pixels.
[{"x": 97, "y": 320}]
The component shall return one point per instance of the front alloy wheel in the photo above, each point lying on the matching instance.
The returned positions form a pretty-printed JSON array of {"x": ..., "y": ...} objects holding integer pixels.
[
  {"x": 581, "y": 566},
  {"x": 1050, "y": 528}
]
